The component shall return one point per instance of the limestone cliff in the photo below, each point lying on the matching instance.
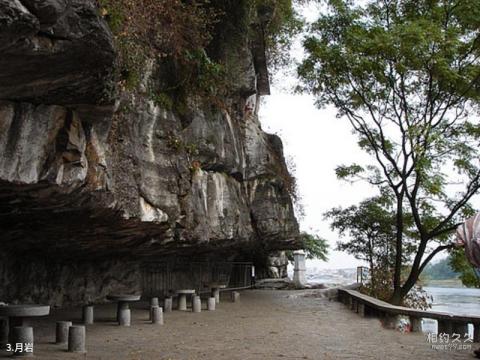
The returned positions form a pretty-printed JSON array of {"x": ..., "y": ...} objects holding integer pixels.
[{"x": 92, "y": 177}]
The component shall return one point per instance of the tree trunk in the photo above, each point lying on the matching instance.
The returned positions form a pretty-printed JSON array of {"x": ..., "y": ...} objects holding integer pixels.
[
  {"x": 414, "y": 272},
  {"x": 370, "y": 260},
  {"x": 396, "y": 296}
]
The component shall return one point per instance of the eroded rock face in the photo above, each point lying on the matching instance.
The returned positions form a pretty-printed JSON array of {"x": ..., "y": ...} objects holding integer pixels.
[
  {"x": 58, "y": 283},
  {"x": 277, "y": 265},
  {"x": 54, "y": 52},
  {"x": 86, "y": 177}
]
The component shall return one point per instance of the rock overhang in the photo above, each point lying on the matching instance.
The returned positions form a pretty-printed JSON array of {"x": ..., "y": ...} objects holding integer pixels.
[{"x": 83, "y": 180}]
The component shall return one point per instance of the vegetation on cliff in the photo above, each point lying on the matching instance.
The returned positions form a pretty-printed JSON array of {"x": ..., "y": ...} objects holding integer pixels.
[{"x": 185, "y": 37}]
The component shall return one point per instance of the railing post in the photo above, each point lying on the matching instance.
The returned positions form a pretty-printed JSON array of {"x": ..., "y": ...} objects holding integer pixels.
[
  {"x": 444, "y": 327},
  {"x": 459, "y": 327},
  {"x": 361, "y": 309},
  {"x": 415, "y": 324},
  {"x": 476, "y": 332},
  {"x": 390, "y": 321}
]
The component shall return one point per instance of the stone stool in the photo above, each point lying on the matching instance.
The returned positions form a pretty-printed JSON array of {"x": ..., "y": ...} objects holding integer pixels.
[
  {"x": 235, "y": 296},
  {"x": 196, "y": 304},
  {"x": 211, "y": 303},
  {"x": 153, "y": 302},
  {"x": 87, "y": 314},
  {"x": 23, "y": 336},
  {"x": 156, "y": 314},
  {"x": 61, "y": 333},
  {"x": 76, "y": 339},
  {"x": 167, "y": 304}
]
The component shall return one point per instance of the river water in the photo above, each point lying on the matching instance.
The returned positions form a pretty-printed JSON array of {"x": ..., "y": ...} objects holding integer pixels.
[{"x": 458, "y": 301}]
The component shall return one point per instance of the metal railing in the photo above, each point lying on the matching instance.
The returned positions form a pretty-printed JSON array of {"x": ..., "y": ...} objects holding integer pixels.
[{"x": 161, "y": 278}]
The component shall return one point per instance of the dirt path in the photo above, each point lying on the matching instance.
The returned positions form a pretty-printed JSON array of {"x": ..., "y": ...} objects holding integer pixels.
[{"x": 264, "y": 325}]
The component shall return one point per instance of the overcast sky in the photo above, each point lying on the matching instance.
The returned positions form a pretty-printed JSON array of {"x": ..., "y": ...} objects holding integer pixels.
[{"x": 318, "y": 142}]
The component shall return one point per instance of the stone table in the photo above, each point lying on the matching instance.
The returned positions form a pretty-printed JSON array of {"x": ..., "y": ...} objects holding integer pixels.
[
  {"x": 215, "y": 288},
  {"x": 182, "y": 298},
  {"x": 122, "y": 306},
  {"x": 17, "y": 316}
]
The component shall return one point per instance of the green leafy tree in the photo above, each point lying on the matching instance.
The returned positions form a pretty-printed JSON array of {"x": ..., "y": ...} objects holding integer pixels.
[
  {"x": 371, "y": 232},
  {"x": 314, "y": 246},
  {"x": 459, "y": 263},
  {"x": 405, "y": 73}
]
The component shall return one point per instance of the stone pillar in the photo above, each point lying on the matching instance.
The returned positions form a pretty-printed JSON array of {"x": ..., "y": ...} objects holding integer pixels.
[
  {"x": 76, "y": 338},
  {"x": 235, "y": 296},
  {"x": 340, "y": 297},
  {"x": 22, "y": 335},
  {"x": 415, "y": 324},
  {"x": 196, "y": 304},
  {"x": 157, "y": 315},
  {"x": 211, "y": 304},
  {"x": 299, "y": 269},
  {"x": 167, "y": 304},
  {"x": 390, "y": 321},
  {"x": 459, "y": 328},
  {"x": 121, "y": 305},
  {"x": 182, "y": 302},
  {"x": 353, "y": 305},
  {"x": 216, "y": 295},
  {"x": 476, "y": 332},
  {"x": 87, "y": 314},
  {"x": 361, "y": 309},
  {"x": 444, "y": 327},
  {"x": 61, "y": 332}
]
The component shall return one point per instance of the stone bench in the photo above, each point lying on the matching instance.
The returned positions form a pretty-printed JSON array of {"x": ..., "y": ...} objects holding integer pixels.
[{"x": 447, "y": 323}]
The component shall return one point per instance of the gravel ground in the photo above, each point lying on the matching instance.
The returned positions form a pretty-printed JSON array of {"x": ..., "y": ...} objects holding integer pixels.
[{"x": 263, "y": 325}]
